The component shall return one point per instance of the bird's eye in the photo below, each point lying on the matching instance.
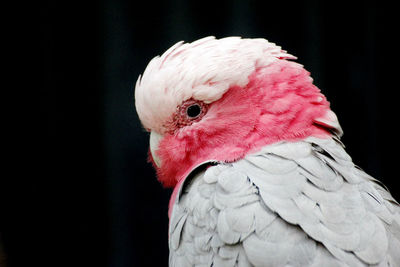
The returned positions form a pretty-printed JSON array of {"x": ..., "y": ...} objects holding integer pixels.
[
  {"x": 187, "y": 113},
  {"x": 193, "y": 111}
]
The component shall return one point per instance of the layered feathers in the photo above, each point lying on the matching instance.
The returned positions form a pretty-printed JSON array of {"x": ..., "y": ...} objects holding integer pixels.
[{"x": 291, "y": 204}]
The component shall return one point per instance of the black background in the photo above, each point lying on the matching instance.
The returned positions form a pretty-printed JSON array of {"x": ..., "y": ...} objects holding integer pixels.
[{"x": 81, "y": 192}]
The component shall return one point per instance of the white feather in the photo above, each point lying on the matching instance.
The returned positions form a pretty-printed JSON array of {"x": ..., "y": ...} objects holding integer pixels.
[{"x": 287, "y": 205}]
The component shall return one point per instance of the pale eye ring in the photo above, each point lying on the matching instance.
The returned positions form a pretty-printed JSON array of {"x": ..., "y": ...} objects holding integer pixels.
[{"x": 193, "y": 111}]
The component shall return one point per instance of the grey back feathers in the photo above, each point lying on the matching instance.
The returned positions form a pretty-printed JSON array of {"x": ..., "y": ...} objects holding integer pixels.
[{"x": 291, "y": 204}]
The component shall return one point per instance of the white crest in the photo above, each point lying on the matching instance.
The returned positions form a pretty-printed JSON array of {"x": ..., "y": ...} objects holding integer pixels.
[{"x": 203, "y": 70}]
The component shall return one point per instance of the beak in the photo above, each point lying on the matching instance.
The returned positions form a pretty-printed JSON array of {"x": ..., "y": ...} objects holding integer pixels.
[{"x": 154, "y": 141}]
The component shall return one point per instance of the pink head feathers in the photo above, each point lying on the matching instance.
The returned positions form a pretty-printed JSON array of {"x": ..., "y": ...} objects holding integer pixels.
[{"x": 218, "y": 100}]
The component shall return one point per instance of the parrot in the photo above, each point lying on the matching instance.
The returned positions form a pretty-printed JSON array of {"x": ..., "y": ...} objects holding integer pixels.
[{"x": 253, "y": 153}]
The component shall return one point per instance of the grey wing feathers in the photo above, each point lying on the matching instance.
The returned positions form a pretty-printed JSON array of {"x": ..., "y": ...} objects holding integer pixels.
[{"x": 291, "y": 204}]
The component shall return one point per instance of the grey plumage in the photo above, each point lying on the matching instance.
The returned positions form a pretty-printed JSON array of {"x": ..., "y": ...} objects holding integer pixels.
[{"x": 291, "y": 204}]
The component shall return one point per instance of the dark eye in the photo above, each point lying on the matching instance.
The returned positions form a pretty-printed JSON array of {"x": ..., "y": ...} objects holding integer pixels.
[
  {"x": 187, "y": 113},
  {"x": 193, "y": 111}
]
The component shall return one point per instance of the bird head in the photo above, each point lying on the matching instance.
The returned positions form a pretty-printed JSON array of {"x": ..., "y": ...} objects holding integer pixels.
[{"x": 221, "y": 99}]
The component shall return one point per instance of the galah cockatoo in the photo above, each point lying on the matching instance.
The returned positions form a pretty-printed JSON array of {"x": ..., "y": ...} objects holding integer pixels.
[{"x": 253, "y": 152}]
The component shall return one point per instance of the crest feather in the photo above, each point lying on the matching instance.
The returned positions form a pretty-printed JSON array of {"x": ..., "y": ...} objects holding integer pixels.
[{"x": 203, "y": 70}]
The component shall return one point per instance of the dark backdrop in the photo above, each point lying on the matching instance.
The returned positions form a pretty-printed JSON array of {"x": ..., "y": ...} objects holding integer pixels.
[{"x": 82, "y": 193}]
